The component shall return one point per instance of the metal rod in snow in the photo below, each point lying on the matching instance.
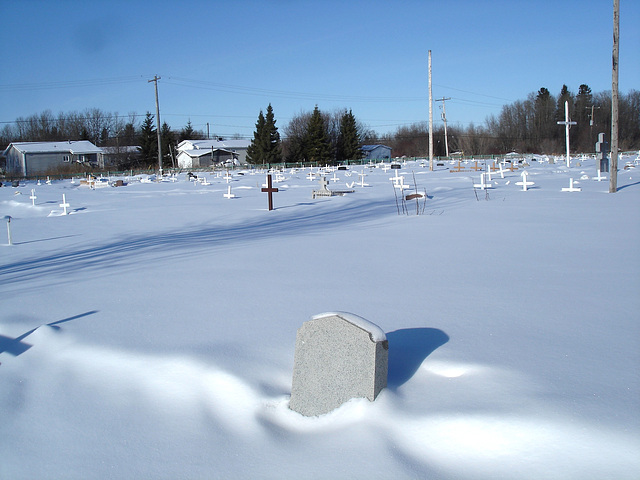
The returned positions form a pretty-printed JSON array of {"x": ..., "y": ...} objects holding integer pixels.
[{"x": 8, "y": 219}]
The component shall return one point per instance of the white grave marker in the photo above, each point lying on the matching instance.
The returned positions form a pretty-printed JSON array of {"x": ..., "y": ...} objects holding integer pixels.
[
  {"x": 567, "y": 124},
  {"x": 64, "y": 204},
  {"x": 33, "y": 197},
  {"x": 482, "y": 185},
  {"x": 599, "y": 178},
  {"x": 524, "y": 182},
  {"x": 571, "y": 187},
  {"x": 229, "y": 194}
]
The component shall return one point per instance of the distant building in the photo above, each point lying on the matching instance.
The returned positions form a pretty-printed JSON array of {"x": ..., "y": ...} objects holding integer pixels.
[
  {"x": 33, "y": 158},
  {"x": 116, "y": 156},
  {"x": 205, "y": 153},
  {"x": 376, "y": 152}
]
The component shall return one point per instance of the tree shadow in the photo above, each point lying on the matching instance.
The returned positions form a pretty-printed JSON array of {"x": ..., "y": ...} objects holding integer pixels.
[
  {"x": 15, "y": 346},
  {"x": 408, "y": 348}
]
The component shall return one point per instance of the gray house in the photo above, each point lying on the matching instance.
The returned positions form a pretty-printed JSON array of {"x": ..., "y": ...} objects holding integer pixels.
[
  {"x": 376, "y": 152},
  {"x": 33, "y": 158}
]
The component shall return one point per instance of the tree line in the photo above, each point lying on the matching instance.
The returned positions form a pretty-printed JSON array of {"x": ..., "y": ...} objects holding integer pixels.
[
  {"x": 524, "y": 126},
  {"x": 530, "y": 126}
]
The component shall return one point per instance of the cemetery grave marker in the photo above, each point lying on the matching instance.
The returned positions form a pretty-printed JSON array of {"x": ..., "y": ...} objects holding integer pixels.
[
  {"x": 599, "y": 178},
  {"x": 229, "y": 194},
  {"x": 567, "y": 124},
  {"x": 33, "y": 197},
  {"x": 338, "y": 356},
  {"x": 571, "y": 187},
  {"x": 482, "y": 185},
  {"x": 270, "y": 190},
  {"x": 458, "y": 168},
  {"x": 64, "y": 204},
  {"x": 476, "y": 167},
  {"x": 524, "y": 181}
]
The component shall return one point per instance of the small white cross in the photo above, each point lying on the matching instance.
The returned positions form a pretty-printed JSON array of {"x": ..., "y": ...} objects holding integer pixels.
[
  {"x": 64, "y": 204},
  {"x": 229, "y": 194},
  {"x": 571, "y": 187},
  {"x": 524, "y": 182},
  {"x": 33, "y": 197}
]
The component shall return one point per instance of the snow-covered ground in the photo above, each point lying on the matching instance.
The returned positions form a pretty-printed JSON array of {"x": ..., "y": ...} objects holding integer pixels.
[{"x": 150, "y": 333}]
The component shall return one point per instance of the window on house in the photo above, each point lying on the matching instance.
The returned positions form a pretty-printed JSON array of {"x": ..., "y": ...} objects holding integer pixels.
[{"x": 66, "y": 158}]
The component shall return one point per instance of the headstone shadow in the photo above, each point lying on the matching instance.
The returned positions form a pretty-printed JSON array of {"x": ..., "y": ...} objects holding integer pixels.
[
  {"x": 408, "y": 348},
  {"x": 16, "y": 346}
]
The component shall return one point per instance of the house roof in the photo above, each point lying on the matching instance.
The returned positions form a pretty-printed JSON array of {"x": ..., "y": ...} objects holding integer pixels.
[
  {"x": 209, "y": 144},
  {"x": 74, "y": 147},
  {"x": 368, "y": 148}
]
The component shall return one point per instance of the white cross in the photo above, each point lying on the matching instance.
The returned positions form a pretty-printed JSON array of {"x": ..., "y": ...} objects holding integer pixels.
[
  {"x": 362, "y": 175},
  {"x": 571, "y": 187},
  {"x": 482, "y": 185},
  {"x": 524, "y": 182},
  {"x": 335, "y": 178},
  {"x": 567, "y": 124},
  {"x": 323, "y": 184},
  {"x": 488, "y": 172},
  {"x": 599, "y": 178},
  {"x": 229, "y": 194},
  {"x": 33, "y": 197},
  {"x": 64, "y": 204}
]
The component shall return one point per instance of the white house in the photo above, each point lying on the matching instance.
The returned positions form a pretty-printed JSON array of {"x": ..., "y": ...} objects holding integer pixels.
[
  {"x": 32, "y": 158},
  {"x": 204, "y": 153}
]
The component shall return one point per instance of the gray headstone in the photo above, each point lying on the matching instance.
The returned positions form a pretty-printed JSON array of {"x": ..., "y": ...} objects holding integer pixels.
[{"x": 338, "y": 356}]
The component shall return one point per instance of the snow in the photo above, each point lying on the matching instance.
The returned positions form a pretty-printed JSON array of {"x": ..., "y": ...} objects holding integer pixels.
[
  {"x": 150, "y": 333},
  {"x": 374, "y": 331}
]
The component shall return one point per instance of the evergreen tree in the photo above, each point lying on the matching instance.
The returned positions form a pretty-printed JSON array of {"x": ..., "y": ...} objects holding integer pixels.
[
  {"x": 148, "y": 141},
  {"x": 273, "y": 147},
  {"x": 265, "y": 148},
  {"x": 168, "y": 142},
  {"x": 187, "y": 133},
  {"x": 348, "y": 147},
  {"x": 256, "y": 149},
  {"x": 317, "y": 143}
]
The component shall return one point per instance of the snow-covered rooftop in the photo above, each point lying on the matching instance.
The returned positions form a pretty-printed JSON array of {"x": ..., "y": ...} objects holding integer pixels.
[{"x": 75, "y": 147}]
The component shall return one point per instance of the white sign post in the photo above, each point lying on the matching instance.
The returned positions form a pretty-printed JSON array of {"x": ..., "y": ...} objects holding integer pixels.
[
  {"x": 8, "y": 219},
  {"x": 567, "y": 125}
]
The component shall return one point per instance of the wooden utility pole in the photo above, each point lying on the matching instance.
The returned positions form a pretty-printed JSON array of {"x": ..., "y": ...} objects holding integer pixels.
[
  {"x": 444, "y": 119},
  {"x": 155, "y": 80},
  {"x": 613, "y": 173},
  {"x": 430, "y": 118}
]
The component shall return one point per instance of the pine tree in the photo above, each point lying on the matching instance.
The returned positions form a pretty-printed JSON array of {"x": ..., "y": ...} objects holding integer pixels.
[
  {"x": 148, "y": 141},
  {"x": 317, "y": 144},
  {"x": 273, "y": 147},
  {"x": 256, "y": 149},
  {"x": 348, "y": 139}
]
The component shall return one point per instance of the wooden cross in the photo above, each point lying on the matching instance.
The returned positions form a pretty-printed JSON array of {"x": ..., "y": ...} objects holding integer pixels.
[{"x": 270, "y": 190}]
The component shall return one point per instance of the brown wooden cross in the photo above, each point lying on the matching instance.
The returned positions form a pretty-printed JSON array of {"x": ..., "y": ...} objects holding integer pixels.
[{"x": 270, "y": 190}]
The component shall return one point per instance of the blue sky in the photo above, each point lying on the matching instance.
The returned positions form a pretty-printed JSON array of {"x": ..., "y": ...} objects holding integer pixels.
[{"x": 221, "y": 62}]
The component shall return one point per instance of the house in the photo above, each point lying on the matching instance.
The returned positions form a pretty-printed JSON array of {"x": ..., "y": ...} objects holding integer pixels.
[
  {"x": 204, "y": 153},
  {"x": 116, "y": 156},
  {"x": 33, "y": 158},
  {"x": 376, "y": 152}
]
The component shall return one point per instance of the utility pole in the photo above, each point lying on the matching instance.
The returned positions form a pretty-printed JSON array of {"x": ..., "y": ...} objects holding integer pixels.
[
  {"x": 430, "y": 118},
  {"x": 155, "y": 80},
  {"x": 444, "y": 119},
  {"x": 613, "y": 173}
]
